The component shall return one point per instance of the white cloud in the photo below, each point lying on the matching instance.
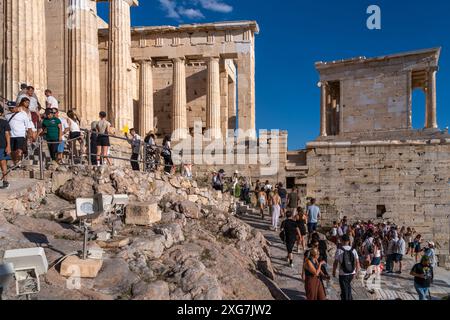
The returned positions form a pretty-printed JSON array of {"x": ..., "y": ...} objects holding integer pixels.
[
  {"x": 170, "y": 7},
  {"x": 192, "y": 9},
  {"x": 216, "y": 5},
  {"x": 190, "y": 13}
]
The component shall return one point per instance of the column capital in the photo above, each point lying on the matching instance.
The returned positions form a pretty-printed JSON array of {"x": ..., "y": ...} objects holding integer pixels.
[
  {"x": 142, "y": 60},
  {"x": 178, "y": 59},
  {"x": 131, "y": 3},
  {"x": 212, "y": 59},
  {"x": 433, "y": 69}
]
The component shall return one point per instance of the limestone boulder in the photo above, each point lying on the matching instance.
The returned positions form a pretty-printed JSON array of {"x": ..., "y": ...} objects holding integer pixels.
[
  {"x": 158, "y": 290},
  {"x": 152, "y": 247},
  {"x": 115, "y": 278},
  {"x": 78, "y": 187},
  {"x": 142, "y": 213},
  {"x": 59, "y": 179},
  {"x": 190, "y": 210},
  {"x": 173, "y": 234}
]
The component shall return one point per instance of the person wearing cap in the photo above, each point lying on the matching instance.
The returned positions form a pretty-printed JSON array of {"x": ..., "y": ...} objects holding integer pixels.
[
  {"x": 52, "y": 131},
  {"x": 430, "y": 252},
  {"x": 423, "y": 274},
  {"x": 21, "y": 128},
  {"x": 5, "y": 147}
]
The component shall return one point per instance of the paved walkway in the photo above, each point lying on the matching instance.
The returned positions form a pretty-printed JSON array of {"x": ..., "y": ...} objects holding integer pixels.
[{"x": 390, "y": 287}]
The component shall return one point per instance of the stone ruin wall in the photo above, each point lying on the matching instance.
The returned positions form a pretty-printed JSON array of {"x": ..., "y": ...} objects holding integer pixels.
[{"x": 411, "y": 181}]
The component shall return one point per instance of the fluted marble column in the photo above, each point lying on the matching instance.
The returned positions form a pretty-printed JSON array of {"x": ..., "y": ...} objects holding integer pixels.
[
  {"x": 120, "y": 99},
  {"x": 25, "y": 47},
  {"x": 323, "y": 110},
  {"x": 179, "y": 114},
  {"x": 84, "y": 67},
  {"x": 213, "y": 98},
  {"x": 431, "y": 100},
  {"x": 146, "y": 112}
]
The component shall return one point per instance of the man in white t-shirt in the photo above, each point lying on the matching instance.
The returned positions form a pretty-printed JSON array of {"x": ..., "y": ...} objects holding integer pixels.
[
  {"x": 347, "y": 260},
  {"x": 51, "y": 101},
  {"x": 34, "y": 103},
  {"x": 21, "y": 126}
]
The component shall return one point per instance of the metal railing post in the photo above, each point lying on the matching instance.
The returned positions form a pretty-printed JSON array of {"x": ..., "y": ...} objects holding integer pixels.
[
  {"x": 89, "y": 147},
  {"x": 41, "y": 161}
]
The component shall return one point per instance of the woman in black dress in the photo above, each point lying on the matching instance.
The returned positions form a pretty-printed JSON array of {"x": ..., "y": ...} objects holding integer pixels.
[
  {"x": 300, "y": 218},
  {"x": 291, "y": 232}
]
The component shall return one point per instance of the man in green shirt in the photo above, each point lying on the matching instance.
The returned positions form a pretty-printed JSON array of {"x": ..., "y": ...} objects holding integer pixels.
[{"x": 52, "y": 131}]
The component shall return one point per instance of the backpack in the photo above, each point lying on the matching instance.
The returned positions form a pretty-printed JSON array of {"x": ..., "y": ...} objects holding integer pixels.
[{"x": 348, "y": 261}]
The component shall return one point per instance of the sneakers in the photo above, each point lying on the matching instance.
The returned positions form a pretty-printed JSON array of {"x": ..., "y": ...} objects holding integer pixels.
[{"x": 5, "y": 185}]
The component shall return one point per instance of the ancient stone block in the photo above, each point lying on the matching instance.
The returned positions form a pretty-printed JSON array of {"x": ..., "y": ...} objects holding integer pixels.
[{"x": 142, "y": 214}]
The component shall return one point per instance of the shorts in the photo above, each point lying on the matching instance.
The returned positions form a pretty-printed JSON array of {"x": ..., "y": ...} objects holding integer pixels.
[
  {"x": 283, "y": 203},
  {"x": 411, "y": 245},
  {"x": 376, "y": 261},
  {"x": 18, "y": 144},
  {"x": 3, "y": 155},
  {"x": 74, "y": 135},
  {"x": 103, "y": 141},
  {"x": 290, "y": 243},
  {"x": 312, "y": 227},
  {"x": 61, "y": 147},
  {"x": 397, "y": 257},
  {"x": 417, "y": 249}
]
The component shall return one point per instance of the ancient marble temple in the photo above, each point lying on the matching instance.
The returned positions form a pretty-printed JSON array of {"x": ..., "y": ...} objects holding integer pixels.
[{"x": 151, "y": 78}]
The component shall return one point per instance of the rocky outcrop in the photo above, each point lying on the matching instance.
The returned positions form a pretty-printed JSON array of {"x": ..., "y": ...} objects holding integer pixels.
[{"x": 190, "y": 245}]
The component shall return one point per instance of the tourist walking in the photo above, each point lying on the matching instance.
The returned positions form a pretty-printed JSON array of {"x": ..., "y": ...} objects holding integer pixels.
[
  {"x": 93, "y": 144},
  {"x": 262, "y": 201},
  {"x": 282, "y": 192},
  {"x": 291, "y": 232},
  {"x": 21, "y": 129},
  {"x": 166, "y": 153},
  {"x": 314, "y": 287},
  {"x": 5, "y": 148},
  {"x": 292, "y": 201},
  {"x": 423, "y": 274},
  {"x": 151, "y": 154},
  {"x": 313, "y": 217},
  {"x": 75, "y": 134},
  {"x": 50, "y": 101},
  {"x": 103, "y": 143},
  {"x": 34, "y": 105},
  {"x": 399, "y": 251},
  {"x": 301, "y": 224},
  {"x": 52, "y": 131},
  {"x": 409, "y": 237},
  {"x": 135, "y": 142},
  {"x": 346, "y": 259},
  {"x": 430, "y": 253},
  {"x": 417, "y": 246},
  {"x": 276, "y": 210},
  {"x": 65, "y": 131}
]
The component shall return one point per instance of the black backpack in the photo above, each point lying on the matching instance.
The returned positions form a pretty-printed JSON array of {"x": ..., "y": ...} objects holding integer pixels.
[{"x": 348, "y": 261}]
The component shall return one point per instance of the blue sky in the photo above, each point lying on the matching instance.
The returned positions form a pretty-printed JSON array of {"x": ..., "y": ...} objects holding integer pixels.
[{"x": 295, "y": 34}]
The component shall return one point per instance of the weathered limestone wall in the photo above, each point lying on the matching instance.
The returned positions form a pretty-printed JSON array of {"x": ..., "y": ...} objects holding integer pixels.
[
  {"x": 410, "y": 180},
  {"x": 375, "y": 103}
]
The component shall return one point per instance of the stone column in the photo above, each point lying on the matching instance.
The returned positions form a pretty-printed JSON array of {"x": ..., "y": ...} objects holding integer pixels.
[
  {"x": 323, "y": 110},
  {"x": 146, "y": 112},
  {"x": 431, "y": 100},
  {"x": 120, "y": 100},
  {"x": 25, "y": 47},
  {"x": 232, "y": 100},
  {"x": 84, "y": 61},
  {"x": 224, "y": 101},
  {"x": 179, "y": 114},
  {"x": 213, "y": 98},
  {"x": 246, "y": 91}
]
